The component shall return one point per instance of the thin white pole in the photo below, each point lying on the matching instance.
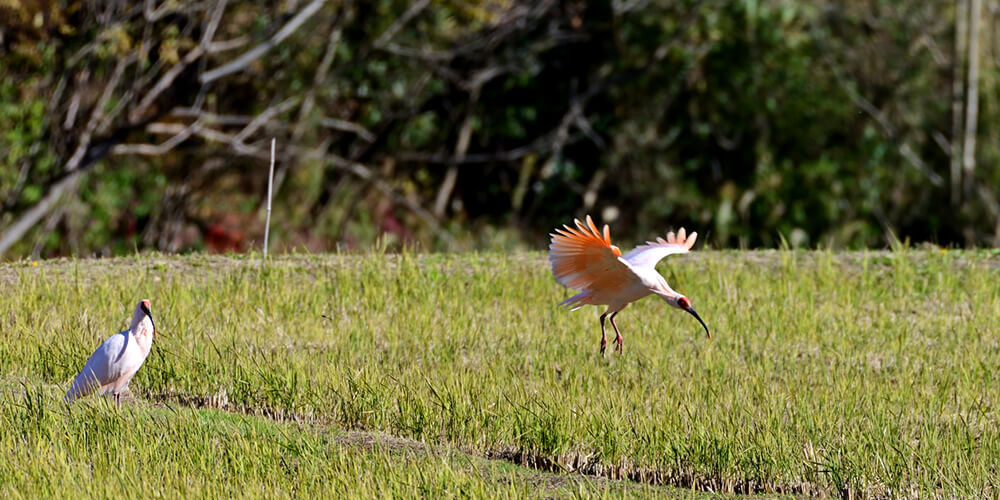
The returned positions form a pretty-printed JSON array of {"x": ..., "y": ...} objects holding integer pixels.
[{"x": 270, "y": 180}]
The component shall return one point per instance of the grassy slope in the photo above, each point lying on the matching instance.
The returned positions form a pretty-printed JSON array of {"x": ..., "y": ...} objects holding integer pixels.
[
  {"x": 863, "y": 373},
  {"x": 167, "y": 451}
]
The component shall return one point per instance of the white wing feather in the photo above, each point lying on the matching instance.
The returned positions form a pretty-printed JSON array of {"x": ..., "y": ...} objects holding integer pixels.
[
  {"x": 646, "y": 256},
  {"x": 108, "y": 362}
]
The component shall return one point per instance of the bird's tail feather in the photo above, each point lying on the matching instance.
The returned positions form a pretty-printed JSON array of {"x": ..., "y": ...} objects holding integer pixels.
[
  {"x": 577, "y": 301},
  {"x": 82, "y": 386}
]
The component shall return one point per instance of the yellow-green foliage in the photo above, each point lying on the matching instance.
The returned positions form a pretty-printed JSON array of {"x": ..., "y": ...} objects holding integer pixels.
[{"x": 865, "y": 373}]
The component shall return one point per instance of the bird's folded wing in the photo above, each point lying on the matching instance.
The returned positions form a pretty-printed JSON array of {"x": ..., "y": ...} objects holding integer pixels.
[
  {"x": 649, "y": 254},
  {"x": 584, "y": 258},
  {"x": 102, "y": 367}
]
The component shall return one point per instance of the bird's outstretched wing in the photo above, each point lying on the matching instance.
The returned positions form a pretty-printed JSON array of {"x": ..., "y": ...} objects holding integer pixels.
[
  {"x": 649, "y": 254},
  {"x": 584, "y": 259}
]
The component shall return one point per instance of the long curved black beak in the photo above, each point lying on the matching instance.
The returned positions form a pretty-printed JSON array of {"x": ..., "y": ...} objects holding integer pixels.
[
  {"x": 146, "y": 310},
  {"x": 695, "y": 314}
]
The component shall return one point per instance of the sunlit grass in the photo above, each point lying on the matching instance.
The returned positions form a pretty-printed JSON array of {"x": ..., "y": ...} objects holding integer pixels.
[
  {"x": 145, "y": 451},
  {"x": 864, "y": 373}
]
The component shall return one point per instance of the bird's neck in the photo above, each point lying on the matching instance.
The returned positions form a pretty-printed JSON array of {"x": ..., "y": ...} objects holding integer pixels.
[
  {"x": 143, "y": 338},
  {"x": 662, "y": 289}
]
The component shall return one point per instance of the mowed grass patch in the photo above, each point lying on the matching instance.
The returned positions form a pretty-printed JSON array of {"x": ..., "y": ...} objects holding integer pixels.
[{"x": 866, "y": 374}]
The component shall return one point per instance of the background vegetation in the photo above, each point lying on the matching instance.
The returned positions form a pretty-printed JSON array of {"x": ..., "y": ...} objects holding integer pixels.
[{"x": 462, "y": 124}]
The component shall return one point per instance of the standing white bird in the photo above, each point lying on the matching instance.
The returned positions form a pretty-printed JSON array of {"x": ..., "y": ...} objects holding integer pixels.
[
  {"x": 113, "y": 364},
  {"x": 584, "y": 259}
]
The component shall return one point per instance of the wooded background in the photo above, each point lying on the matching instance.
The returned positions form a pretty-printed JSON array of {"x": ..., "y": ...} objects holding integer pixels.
[{"x": 483, "y": 124}]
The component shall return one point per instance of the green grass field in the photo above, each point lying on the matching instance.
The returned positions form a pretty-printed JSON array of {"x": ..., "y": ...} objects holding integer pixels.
[{"x": 854, "y": 374}]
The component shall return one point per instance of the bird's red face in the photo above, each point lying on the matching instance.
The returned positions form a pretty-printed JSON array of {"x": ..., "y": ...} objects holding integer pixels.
[
  {"x": 145, "y": 308},
  {"x": 685, "y": 304}
]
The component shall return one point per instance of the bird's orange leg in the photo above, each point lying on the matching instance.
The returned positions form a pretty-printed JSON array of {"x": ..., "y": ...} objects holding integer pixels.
[
  {"x": 604, "y": 337},
  {"x": 618, "y": 340}
]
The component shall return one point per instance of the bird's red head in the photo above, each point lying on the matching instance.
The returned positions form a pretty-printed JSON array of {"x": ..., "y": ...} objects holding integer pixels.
[
  {"x": 685, "y": 304},
  {"x": 144, "y": 305}
]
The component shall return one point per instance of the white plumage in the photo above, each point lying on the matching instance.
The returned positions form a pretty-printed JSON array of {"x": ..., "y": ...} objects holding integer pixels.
[
  {"x": 653, "y": 251},
  {"x": 116, "y": 361},
  {"x": 584, "y": 259}
]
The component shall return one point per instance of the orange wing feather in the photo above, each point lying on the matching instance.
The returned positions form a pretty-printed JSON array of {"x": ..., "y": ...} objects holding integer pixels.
[{"x": 584, "y": 258}]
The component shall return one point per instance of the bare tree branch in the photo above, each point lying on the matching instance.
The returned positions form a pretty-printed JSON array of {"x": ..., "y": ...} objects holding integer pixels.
[
  {"x": 461, "y": 147},
  {"x": 255, "y": 53},
  {"x": 158, "y": 149},
  {"x": 517, "y": 19},
  {"x": 346, "y": 126},
  {"x": 890, "y": 132},
  {"x": 22, "y": 178},
  {"x": 957, "y": 97},
  {"x": 153, "y": 14},
  {"x": 266, "y": 116},
  {"x": 213, "y": 24},
  {"x": 224, "y": 45},
  {"x": 29, "y": 218},
  {"x": 552, "y": 141},
  {"x": 407, "y": 16},
  {"x": 318, "y": 78},
  {"x": 97, "y": 115},
  {"x": 193, "y": 55},
  {"x": 363, "y": 172},
  {"x": 972, "y": 99},
  {"x": 49, "y": 226},
  {"x": 74, "y": 100},
  {"x": 165, "y": 82},
  {"x": 499, "y": 156},
  {"x": 474, "y": 86},
  {"x": 356, "y": 169},
  {"x": 228, "y": 120}
]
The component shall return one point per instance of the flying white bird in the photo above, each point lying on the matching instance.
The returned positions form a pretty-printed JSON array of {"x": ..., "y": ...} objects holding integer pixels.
[
  {"x": 584, "y": 259},
  {"x": 113, "y": 364}
]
